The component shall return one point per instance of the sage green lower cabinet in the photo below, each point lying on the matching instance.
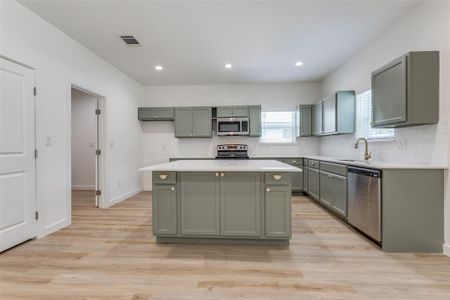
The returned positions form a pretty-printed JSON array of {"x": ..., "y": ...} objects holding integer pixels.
[
  {"x": 314, "y": 183},
  {"x": 199, "y": 203},
  {"x": 240, "y": 198},
  {"x": 278, "y": 211},
  {"x": 297, "y": 181},
  {"x": 164, "y": 209},
  {"x": 306, "y": 178},
  {"x": 333, "y": 192}
]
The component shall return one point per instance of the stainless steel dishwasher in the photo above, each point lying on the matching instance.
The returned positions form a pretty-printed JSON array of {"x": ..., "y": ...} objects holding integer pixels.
[{"x": 364, "y": 201}]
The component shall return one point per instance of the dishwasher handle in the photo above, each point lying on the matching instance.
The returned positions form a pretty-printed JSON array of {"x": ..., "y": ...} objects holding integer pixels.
[{"x": 365, "y": 172}]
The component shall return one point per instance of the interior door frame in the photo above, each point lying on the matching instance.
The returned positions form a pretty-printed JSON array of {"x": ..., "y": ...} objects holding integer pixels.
[{"x": 101, "y": 200}]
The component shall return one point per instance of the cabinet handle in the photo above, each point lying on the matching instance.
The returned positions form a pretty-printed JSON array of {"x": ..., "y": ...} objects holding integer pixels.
[
  {"x": 222, "y": 174},
  {"x": 277, "y": 176},
  {"x": 217, "y": 174},
  {"x": 267, "y": 189},
  {"x": 172, "y": 188},
  {"x": 294, "y": 161},
  {"x": 163, "y": 176}
]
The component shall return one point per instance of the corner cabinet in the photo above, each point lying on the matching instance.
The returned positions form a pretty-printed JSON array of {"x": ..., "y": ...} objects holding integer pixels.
[
  {"x": 193, "y": 122},
  {"x": 304, "y": 119},
  {"x": 405, "y": 92}
]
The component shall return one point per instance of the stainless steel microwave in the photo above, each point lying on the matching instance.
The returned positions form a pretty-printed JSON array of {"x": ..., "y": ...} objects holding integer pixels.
[{"x": 232, "y": 126}]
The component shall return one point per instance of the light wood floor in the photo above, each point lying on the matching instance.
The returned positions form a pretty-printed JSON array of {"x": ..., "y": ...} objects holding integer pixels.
[{"x": 111, "y": 254}]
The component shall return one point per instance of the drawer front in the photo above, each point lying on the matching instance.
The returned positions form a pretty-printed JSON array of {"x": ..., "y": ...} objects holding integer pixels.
[
  {"x": 277, "y": 178},
  {"x": 294, "y": 161},
  {"x": 314, "y": 164},
  {"x": 164, "y": 177},
  {"x": 334, "y": 168}
]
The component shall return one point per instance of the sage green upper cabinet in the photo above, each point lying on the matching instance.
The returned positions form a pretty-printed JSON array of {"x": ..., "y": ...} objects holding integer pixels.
[
  {"x": 255, "y": 120},
  {"x": 317, "y": 119},
  {"x": 193, "y": 122},
  {"x": 405, "y": 92},
  {"x": 199, "y": 203},
  {"x": 155, "y": 113},
  {"x": 278, "y": 211},
  {"x": 224, "y": 111},
  {"x": 202, "y": 122},
  {"x": 232, "y": 111},
  {"x": 339, "y": 111},
  {"x": 304, "y": 119},
  {"x": 240, "y": 195}
]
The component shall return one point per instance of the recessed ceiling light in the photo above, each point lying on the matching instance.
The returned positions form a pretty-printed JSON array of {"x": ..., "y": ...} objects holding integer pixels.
[
  {"x": 228, "y": 66},
  {"x": 158, "y": 68},
  {"x": 299, "y": 63}
]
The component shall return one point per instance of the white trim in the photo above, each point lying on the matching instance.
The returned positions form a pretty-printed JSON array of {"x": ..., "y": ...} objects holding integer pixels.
[
  {"x": 124, "y": 197},
  {"x": 447, "y": 249},
  {"x": 147, "y": 188},
  {"x": 83, "y": 187}
]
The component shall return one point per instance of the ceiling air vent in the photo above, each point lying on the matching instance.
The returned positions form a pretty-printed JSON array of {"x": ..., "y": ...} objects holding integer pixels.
[{"x": 130, "y": 40}]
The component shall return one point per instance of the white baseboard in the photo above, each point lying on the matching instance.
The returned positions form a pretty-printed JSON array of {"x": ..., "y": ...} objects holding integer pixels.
[
  {"x": 81, "y": 187},
  {"x": 148, "y": 188},
  {"x": 124, "y": 196},
  {"x": 447, "y": 249}
]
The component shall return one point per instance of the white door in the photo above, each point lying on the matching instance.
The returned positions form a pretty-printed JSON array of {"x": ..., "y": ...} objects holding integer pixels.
[{"x": 17, "y": 162}]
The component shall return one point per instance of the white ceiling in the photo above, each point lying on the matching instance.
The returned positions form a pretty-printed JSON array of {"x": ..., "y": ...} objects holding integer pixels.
[{"x": 193, "y": 40}]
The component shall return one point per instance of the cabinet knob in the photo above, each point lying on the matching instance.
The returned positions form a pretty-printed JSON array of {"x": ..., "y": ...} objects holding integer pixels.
[
  {"x": 267, "y": 189},
  {"x": 222, "y": 174},
  {"x": 217, "y": 174},
  {"x": 172, "y": 188}
]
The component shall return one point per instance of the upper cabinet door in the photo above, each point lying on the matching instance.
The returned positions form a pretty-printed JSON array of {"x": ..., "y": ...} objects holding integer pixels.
[
  {"x": 164, "y": 113},
  {"x": 240, "y": 111},
  {"x": 317, "y": 119},
  {"x": 146, "y": 114},
  {"x": 329, "y": 115},
  {"x": 201, "y": 122},
  {"x": 224, "y": 111},
  {"x": 183, "y": 122},
  {"x": 255, "y": 120},
  {"x": 389, "y": 93},
  {"x": 304, "y": 120}
]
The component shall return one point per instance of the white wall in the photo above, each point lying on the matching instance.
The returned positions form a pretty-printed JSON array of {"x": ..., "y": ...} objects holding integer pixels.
[
  {"x": 160, "y": 143},
  {"x": 426, "y": 27},
  {"x": 84, "y": 136},
  {"x": 59, "y": 62}
]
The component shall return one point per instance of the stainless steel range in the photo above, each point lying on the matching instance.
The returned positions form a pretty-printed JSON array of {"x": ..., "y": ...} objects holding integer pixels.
[{"x": 232, "y": 151}]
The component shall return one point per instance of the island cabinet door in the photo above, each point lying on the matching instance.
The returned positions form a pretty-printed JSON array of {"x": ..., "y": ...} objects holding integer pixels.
[
  {"x": 278, "y": 211},
  {"x": 199, "y": 202},
  {"x": 240, "y": 201},
  {"x": 164, "y": 209}
]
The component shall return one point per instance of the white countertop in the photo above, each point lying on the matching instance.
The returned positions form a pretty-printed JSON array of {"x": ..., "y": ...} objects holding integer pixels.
[
  {"x": 223, "y": 165},
  {"x": 375, "y": 164}
]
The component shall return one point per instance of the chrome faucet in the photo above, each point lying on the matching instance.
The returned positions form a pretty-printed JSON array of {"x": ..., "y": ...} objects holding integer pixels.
[{"x": 367, "y": 154}]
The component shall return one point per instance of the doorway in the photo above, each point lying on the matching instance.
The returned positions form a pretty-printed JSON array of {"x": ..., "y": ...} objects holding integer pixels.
[{"x": 86, "y": 149}]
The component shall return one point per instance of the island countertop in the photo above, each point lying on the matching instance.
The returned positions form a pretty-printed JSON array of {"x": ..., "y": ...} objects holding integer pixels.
[{"x": 223, "y": 165}]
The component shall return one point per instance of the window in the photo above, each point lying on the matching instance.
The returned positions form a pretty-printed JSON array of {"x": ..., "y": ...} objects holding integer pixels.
[
  {"x": 364, "y": 117},
  {"x": 278, "y": 127}
]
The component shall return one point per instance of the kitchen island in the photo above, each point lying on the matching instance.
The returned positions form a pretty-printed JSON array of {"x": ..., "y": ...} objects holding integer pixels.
[{"x": 222, "y": 201}]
